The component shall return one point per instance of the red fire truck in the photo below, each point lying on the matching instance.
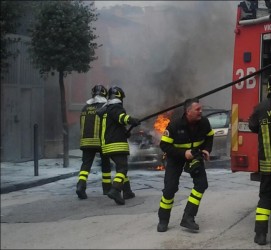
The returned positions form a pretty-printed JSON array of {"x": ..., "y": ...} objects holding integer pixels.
[{"x": 252, "y": 51}]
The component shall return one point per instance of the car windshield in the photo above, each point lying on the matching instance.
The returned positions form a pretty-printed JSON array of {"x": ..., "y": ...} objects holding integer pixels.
[
  {"x": 218, "y": 120},
  {"x": 141, "y": 138}
]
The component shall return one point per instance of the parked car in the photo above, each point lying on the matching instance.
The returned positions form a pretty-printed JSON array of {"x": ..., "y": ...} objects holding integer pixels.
[
  {"x": 220, "y": 122},
  {"x": 143, "y": 151}
]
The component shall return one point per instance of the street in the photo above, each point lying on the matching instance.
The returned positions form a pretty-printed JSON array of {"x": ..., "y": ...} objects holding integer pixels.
[{"x": 52, "y": 217}]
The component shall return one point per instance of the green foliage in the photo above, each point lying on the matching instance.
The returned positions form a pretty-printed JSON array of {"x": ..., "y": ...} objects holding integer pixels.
[
  {"x": 9, "y": 21},
  {"x": 62, "y": 37}
]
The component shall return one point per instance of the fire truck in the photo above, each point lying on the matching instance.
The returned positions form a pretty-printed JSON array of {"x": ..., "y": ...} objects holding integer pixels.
[{"x": 252, "y": 51}]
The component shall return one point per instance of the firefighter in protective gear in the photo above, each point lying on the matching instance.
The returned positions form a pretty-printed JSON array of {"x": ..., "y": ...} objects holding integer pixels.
[
  {"x": 114, "y": 143},
  {"x": 90, "y": 129},
  {"x": 182, "y": 137},
  {"x": 260, "y": 123}
]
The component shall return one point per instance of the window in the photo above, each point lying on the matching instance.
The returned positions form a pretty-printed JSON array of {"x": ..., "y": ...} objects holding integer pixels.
[{"x": 219, "y": 120}]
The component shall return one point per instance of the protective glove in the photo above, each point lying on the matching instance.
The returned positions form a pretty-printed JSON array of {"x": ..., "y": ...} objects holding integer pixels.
[
  {"x": 133, "y": 121},
  {"x": 193, "y": 166}
]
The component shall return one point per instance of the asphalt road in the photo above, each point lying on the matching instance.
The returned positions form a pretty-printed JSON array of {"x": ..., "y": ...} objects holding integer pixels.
[{"x": 52, "y": 217}]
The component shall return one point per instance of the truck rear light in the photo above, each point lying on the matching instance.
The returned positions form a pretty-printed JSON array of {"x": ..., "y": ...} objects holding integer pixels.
[{"x": 240, "y": 160}]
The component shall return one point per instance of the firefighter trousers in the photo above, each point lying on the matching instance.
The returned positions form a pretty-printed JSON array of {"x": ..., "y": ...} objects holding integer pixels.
[
  {"x": 263, "y": 209},
  {"x": 88, "y": 155},
  {"x": 171, "y": 186},
  {"x": 121, "y": 161}
]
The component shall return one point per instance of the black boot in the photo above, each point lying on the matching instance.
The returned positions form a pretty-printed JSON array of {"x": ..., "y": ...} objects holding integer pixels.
[
  {"x": 81, "y": 190},
  {"x": 106, "y": 188},
  {"x": 127, "y": 191},
  {"x": 128, "y": 195},
  {"x": 162, "y": 226},
  {"x": 116, "y": 195},
  {"x": 260, "y": 238},
  {"x": 189, "y": 222}
]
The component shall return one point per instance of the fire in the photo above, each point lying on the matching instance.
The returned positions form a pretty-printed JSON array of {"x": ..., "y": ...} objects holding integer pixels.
[
  {"x": 160, "y": 168},
  {"x": 161, "y": 123}
]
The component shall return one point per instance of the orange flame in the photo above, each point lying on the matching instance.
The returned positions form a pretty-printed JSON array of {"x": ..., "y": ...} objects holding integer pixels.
[
  {"x": 161, "y": 123},
  {"x": 160, "y": 168}
]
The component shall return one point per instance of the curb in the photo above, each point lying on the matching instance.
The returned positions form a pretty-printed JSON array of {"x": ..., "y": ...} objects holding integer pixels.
[{"x": 40, "y": 182}]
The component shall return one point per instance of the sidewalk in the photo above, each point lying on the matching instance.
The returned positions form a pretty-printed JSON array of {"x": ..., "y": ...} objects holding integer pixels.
[{"x": 18, "y": 176}]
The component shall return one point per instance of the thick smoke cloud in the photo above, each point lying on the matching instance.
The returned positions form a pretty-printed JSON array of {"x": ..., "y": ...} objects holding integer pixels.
[{"x": 172, "y": 52}]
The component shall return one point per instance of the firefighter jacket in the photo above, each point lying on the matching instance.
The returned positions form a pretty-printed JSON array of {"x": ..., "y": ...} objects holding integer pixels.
[
  {"x": 178, "y": 137},
  {"x": 114, "y": 132},
  {"x": 260, "y": 123},
  {"x": 90, "y": 127}
]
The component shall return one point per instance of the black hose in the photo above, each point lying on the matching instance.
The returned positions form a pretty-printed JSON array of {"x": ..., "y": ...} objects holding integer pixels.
[{"x": 205, "y": 94}]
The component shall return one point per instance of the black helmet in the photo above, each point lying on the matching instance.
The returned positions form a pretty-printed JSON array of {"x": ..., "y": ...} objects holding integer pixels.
[
  {"x": 99, "y": 90},
  {"x": 116, "y": 92}
]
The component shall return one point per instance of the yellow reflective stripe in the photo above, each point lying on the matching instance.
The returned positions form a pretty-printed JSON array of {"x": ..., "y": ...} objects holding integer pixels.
[
  {"x": 106, "y": 174},
  {"x": 212, "y": 132},
  {"x": 260, "y": 210},
  {"x": 106, "y": 180},
  {"x": 123, "y": 120},
  {"x": 90, "y": 142},
  {"x": 126, "y": 119},
  {"x": 166, "y": 139},
  {"x": 197, "y": 143},
  {"x": 186, "y": 145},
  {"x": 96, "y": 127},
  {"x": 81, "y": 177},
  {"x": 83, "y": 118},
  {"x": 194, "y": 161},
  {"x": 103, "y": 129},
  {"x": 126, "y": 179},
  {"x": 196, "y": 193},
  {"x": 121, "y": 175},
  {"x": 193, "y": 200},
  {"x": 266, "y": 142},
  {"x": 120, "y": 116},
  {"x": 115, "y": 147},
  {"x": 234, "y": 127},
  {"x": 83, "y": 172},
  {"x": 262, "y": 217},
  {"x": 117, "y": 179},
  {"x": 165, "y": 206},
  {"x": 163, "y": 199},
  {"x": 265, "y": 167}
]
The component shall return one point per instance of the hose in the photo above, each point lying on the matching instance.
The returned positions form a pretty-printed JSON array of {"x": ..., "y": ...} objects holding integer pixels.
[{"x": 205, "y": 94}]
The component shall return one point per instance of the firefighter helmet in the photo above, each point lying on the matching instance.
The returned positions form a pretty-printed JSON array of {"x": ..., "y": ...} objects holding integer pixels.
[
  {"x": 116, "y": 92},
  {"x": 269, "y": 87},
  {"x": 99, "y": 90}
]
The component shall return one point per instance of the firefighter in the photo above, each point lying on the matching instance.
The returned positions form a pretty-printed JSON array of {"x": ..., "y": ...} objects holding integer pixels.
[
  {"x": 187, "y": 142},
  {"x": 114, "y": 142},
  {"x": 90, "y": 142},
  {"x": 260, "y": 123}
]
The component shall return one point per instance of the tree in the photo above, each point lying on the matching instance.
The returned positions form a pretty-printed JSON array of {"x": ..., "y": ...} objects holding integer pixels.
[
  {"x": 10, "y": 15},
  {"x": 62, "y": 40}
]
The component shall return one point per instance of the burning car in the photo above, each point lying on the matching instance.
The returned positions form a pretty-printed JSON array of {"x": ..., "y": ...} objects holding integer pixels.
[{"x": 144, "y": 151}]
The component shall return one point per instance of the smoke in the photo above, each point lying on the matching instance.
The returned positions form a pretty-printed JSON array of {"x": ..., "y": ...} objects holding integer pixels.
[{"x": 167, "y": 53}]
